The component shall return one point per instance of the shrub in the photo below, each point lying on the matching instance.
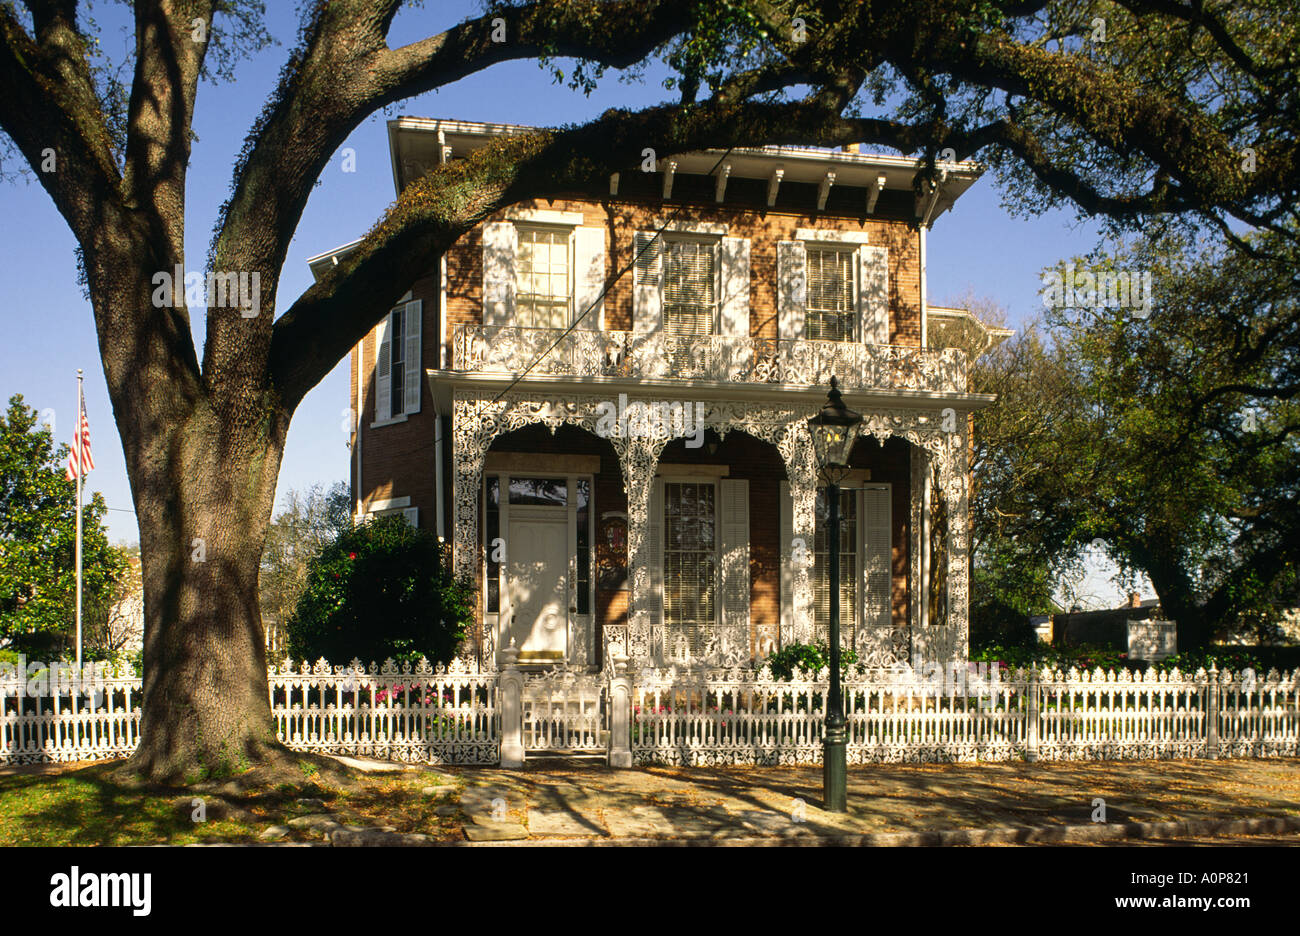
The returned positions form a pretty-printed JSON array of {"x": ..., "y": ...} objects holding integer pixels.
[
  {"x": 380, "y": 590},
  {"x": 809, "y": 659}
]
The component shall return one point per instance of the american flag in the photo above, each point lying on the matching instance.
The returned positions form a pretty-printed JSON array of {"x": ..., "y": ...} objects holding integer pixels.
[{"x": 80, "y": 459}]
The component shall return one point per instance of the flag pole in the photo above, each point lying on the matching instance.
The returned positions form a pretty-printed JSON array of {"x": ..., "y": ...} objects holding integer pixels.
[{"x": 80, "y": 474}]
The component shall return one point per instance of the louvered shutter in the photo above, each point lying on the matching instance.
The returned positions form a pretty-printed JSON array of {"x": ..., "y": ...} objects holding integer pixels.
[
  {"x": 589, "y": 275},
  {"x": 654, "y": 547},
  {"x": 383, "y": 372},
  {"x": 735, "y": 556},
  {"x": 648, "y": 303},
  {"x": 647, "y": 312},
  {"x": 792, "y": 288},
  {"x": 877, "y": 563},
  {"x": 500, "y": 241},
  {"x": 873, "y": 294},
  {"x": 735, "y": 286},
  {"x": 413, "y": 377},
  {"x": 787, "y": 561}
]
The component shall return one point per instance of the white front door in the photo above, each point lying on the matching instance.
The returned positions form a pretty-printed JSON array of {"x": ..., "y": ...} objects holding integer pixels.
[{"x": 538, "y": 563}]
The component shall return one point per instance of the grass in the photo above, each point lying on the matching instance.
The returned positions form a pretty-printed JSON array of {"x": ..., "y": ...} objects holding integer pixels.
[{"x": 95, "y": 806}]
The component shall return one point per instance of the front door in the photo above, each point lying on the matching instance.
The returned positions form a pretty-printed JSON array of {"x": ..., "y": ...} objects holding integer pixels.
[{"x": 538, "y": 563}]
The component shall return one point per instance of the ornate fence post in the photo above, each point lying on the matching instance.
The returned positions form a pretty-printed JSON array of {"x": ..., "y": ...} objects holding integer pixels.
[
  {"x": 1212, "y": 713},
  {"x": 1031, "y": 725},
  {"x": 511, "y": 683},
  {"x": 620, "y": 711}
]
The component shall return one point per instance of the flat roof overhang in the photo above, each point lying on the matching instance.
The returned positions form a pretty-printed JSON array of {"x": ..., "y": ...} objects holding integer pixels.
[{"x": 416, "y": 144}]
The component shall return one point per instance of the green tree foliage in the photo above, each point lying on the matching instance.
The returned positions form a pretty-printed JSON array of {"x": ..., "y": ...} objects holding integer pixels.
[
  {"x": 38, "y": 522},
  {"x": 308, "y": 522},
  {"x": 1171, "y": 438},
  {"x": 380, "y": 590}
]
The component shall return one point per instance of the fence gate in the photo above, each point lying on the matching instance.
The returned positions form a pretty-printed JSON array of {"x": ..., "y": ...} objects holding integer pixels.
[{"x": 564, "y": 712}]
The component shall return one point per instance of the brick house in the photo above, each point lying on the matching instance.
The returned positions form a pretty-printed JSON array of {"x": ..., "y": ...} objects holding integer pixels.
[{"x": 600, "y": 400}]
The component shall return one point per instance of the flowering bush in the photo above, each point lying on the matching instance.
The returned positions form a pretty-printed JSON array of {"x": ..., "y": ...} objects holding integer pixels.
[{"x": 380, "y": 590}]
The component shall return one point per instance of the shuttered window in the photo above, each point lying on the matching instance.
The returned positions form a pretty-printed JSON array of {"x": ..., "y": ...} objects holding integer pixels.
[
  {"x": 542, "y": 289},
  {"x": 831, "y": 304},
  {"x": 690, "y": 567},
  {"x": 848, "y": 568},
  {"x": 397, "y": 328},
  {"x": 690, "y": 298}
]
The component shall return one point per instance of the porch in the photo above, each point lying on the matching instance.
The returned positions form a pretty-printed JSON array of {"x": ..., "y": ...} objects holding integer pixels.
[{"x": 685, "y": 530}]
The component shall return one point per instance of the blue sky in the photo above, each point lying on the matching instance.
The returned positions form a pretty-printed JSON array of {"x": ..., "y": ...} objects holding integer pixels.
[{"x": 977, "y": 248}]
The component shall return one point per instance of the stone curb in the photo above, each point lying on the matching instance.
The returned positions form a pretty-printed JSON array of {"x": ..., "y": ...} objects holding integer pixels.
[{"x": 1024, "y": 835}]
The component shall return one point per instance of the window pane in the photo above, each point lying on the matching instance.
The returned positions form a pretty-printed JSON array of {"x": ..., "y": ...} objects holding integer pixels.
[
  {"x": 540, "y": 492},
  {"x": 690, "y": 287},
  {"x": 690, "y": 585},
  {"x": 830, "y": 310},
  {"x": 542, "y": 271},
  {"x": 848, "y": 568}
]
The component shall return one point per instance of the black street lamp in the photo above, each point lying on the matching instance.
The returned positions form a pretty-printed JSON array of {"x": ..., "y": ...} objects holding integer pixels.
[{"x": 834, "y": 430}]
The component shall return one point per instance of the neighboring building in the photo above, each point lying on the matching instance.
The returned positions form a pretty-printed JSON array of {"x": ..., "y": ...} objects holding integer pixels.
[{"x": 492, "y": 410}]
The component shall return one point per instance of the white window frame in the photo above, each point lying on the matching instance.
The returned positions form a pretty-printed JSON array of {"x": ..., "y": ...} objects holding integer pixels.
[
  {"x": 855, "y": 286},
  {"x": 386, "y": 328},
  {"x": 719, "y": 596},
  {"x": 688, "y": 237},
  {"x": 549, "y": 227}
]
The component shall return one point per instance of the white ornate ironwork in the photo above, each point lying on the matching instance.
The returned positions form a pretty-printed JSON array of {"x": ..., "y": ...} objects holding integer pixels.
[
  {"x": 710, "y": 714},
  {"x": 480, "y": 417},
  {"x": 497, "y": 349}
]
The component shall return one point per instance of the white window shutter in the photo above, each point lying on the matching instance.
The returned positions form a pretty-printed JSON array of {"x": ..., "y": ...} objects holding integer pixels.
[
  {"x": 413, "y": 377},
  {"x": 791, "y": 288},
  {"x": 735, "y": 286},
  {"x": 412, "y": 515},
  {"x": 383, "y": 372},
  {"x": 654, "y": 546},
  {"x": 735, "y": 556},
  {"x": 589, "y": 275},
  {"x": 500, "y": 242},
  {"x": 787, "y": 560},
  {"x": 877, "y": 557},
  {"x": 648, "y": 284},
  {"x": 873, "y": 294}
]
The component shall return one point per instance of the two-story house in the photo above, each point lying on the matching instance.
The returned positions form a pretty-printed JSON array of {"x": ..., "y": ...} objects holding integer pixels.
[{"x": 600, "y": 400}]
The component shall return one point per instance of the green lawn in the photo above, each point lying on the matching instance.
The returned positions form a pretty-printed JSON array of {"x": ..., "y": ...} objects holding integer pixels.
[{"x": 91, "y": 806}]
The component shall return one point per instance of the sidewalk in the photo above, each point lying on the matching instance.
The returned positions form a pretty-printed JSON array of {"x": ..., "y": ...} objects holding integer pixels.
[{"x": 556, "y": 801}]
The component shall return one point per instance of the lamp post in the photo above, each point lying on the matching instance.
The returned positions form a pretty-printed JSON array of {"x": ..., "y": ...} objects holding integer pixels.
[{"x": 834, "y": 430}]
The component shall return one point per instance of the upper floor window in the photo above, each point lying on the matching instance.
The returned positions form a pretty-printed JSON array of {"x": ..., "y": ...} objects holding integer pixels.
[
  {"x": 397, "y": 363},
  {"x": 542, "y": 264},
  {"x": 690, "y": 303},
  {"x": 832, "y": 300}
]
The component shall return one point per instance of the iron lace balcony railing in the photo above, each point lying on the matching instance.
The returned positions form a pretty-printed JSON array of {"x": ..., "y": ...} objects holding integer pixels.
[{"x": 550, "y": 352}]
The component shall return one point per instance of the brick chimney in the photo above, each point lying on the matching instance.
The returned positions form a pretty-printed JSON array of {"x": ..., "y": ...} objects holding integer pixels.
[
  {"x": 1134, "y": 600},
  {"x": 854, "y": 148}
]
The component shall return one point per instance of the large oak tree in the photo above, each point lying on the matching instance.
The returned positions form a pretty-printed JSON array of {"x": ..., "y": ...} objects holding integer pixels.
[{"x": 1151, "y": 115}]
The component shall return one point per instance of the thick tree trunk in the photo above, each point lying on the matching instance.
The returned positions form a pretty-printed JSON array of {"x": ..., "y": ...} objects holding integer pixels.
[
  {"x": 205, "y": 708},
  {"x": 204, "y": 494}
]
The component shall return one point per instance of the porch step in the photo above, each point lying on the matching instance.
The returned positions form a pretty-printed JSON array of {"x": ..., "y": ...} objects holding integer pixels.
[{"x": 566, "y": 757}]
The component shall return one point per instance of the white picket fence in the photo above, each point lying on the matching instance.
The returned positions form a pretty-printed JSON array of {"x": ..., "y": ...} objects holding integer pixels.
[
  {"x": 716, "y": 717},
  {"x": 404, "y": 713},
  {"x": 705, "y": 716}
]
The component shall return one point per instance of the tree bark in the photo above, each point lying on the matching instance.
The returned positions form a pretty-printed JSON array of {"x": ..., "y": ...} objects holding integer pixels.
[{"x": 206, "y": 710}]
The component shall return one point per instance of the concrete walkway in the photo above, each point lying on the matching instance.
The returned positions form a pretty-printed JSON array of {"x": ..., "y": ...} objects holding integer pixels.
[{"x": 563, "y": 802}]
